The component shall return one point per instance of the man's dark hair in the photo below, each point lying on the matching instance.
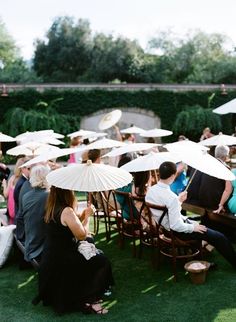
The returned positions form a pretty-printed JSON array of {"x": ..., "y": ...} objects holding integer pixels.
[{"x": 167, "y": 169}]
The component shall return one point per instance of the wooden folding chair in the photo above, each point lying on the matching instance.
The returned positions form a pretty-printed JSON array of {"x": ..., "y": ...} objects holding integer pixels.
[
  {"x": 173, "y": 247},
  {"x": 148, "y": 232},
  {"x": 128, "y": 228}
]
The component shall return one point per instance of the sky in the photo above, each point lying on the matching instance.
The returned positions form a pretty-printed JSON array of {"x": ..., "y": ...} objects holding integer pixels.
[{"x": 27, "y": 20}]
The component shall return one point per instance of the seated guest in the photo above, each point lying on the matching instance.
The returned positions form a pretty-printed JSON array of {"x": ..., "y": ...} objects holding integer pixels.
[
  {"x": 193, "y": 188},
  {"x": 160, "y": 194},
  {"x": 206, "y": 134},
  {"x": 25, "y": 171},
  {"x": 128, "y": 138},
  {"x": 180, "y": 181},
  {"x": 33, "y": 212},
  {"x": 67, "y": 280},
  {"x": 75, "y": 143},
  {"x": 94, "y": 155},
  {"x": 214, "y": 192},
  {"x": 232, "y": 201},
  {"x": 141, "y": 183},
  {"x": 20, "y": 230},
  {"x": 4, "y": 170},
  {"x": 124, "y": 158},
  {"x": 8, "y": 190},
  {"x": 138, "y": 187}
]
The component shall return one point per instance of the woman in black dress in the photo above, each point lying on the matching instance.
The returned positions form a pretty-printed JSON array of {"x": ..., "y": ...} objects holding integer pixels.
[{"x": 67, "y": 281}]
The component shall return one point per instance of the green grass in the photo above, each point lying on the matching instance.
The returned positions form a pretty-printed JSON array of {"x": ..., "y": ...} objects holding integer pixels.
[
  {"x": 140, "y": 293},
  {"x": 81, "y": 196}
]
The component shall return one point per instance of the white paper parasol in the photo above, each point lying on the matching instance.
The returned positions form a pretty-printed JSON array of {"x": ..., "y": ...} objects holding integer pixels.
[
  {"x": 46, "y": 140},
  {"x": 132, "y": 130},
  {"x": 34, "y": 134},
  {"x": 94, "y": 136},
  {"x": 220, "y": 139},
  {"x": 6, "y": 138},
  {"x": 81, "y": 133},
  {"x": 109, "y": 119},
  {"x": 43, "y": 136},
  {"x": 185, "y": 146},
  {"x": 31, "y": 149},
  {"x": 131, "y": 148},
  {"x": 206, "y": 163},
  {"x": 229, "y": 107},
  {"x": 151, "y": 161},
  {"x": 50, "y": 155},
  {"x": 155, "y": 133},
  {"x": 105, "y": 144},
  {"x": 58, "y": 135},
  {"x": 89, "y": 177}
]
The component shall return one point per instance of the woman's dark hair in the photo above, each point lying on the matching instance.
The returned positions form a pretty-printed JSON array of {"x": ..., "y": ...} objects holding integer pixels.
[
  {"x": 140, "y": 182},
  {"x": 167, "y": 169},
  {"x": 124, "y": 158},
  {"x": 86, "y": 141},
  {"x": 58, "y": 197},
  {"x": 150, "y": 140}
]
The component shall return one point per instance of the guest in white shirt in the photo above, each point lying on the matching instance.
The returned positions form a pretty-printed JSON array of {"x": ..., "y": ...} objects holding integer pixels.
[{"x": 160, "y": 194}]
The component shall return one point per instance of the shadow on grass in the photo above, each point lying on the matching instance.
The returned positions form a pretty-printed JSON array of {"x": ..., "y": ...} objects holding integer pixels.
[{"x": 140, "y": 294}]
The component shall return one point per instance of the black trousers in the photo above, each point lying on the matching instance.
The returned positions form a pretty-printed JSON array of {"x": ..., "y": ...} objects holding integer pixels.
[{"x": 216, "y": 239}]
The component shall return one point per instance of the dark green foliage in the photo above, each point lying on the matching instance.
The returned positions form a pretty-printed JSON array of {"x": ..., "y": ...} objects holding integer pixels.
[
  {"x": 18, "y": 72},
  {"x": 197, "y": 57},
  {"x": 43, "y": 117},
  {"x": 112, "y": 59},
  {"x": 192, "y": 120},
  {"x": 66, "y": 55},
  {"x": 78, "y": 103}
]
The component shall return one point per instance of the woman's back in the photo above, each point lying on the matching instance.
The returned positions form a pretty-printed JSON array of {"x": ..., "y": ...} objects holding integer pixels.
[{"x": 59, "y": 238}]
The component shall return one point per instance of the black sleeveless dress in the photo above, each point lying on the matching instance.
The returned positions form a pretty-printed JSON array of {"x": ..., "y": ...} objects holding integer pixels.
[{"x": 66, "y": 279}]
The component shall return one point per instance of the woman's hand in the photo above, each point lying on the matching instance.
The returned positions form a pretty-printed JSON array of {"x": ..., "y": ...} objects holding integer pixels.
[
  {"x": 220, "y": 209},
  {"x": 89, "y": 211},
  {"x": 4, "y": 183}
]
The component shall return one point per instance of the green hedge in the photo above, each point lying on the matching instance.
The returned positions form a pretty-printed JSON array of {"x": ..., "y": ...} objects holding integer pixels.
[{"x": 165, "y": 104}]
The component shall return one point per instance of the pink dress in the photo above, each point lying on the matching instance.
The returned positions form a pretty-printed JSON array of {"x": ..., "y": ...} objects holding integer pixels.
[
  {"x": 11, "y": 205},
  {"x": 72, "y": 158}
]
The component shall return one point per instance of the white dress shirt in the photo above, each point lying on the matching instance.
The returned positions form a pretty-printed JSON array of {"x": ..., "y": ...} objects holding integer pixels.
[{"x": 160, "y": 194}]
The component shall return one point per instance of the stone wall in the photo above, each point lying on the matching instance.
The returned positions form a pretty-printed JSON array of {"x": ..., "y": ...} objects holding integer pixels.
[{"x": 136, "y": 116}]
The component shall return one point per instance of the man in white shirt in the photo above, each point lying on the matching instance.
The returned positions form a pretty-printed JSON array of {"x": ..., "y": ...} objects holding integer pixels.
[{"x": 160, "y": 194}]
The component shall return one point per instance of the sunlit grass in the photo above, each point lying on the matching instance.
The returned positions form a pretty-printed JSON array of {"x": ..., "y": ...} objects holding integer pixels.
[
  {"x": 26, "y": 282},
  {"x": 148, "y": 289},
  {"x": 140, "y": 294}
]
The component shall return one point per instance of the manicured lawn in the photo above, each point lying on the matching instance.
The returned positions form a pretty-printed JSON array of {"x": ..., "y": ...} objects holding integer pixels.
[{"x": 140, "y": 293}]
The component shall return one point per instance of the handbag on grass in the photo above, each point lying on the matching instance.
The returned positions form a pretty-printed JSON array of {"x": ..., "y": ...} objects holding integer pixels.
[{"x": 88, "y": 250}]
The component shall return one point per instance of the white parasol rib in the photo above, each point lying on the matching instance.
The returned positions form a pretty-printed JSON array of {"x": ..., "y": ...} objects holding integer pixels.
[
  {"x": 89, "y": 177},
  {"x": 151, "y": 161}
]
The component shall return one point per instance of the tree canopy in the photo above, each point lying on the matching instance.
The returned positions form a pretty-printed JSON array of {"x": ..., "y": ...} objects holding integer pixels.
[
  {"x": 66, "y": 54},
  {"x": 72, "y": 52},
  {"x": 13, "y": 68},
  {"x": 8, "y": 49}
]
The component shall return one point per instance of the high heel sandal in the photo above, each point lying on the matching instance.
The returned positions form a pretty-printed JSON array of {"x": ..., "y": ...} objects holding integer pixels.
[{"x": 91, "y": 308}]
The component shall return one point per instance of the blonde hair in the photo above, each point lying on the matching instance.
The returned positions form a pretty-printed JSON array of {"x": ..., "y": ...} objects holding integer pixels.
[
  {"x": 38, "y": 176},
  {"x": 17, "y": 169}
]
